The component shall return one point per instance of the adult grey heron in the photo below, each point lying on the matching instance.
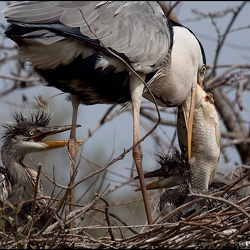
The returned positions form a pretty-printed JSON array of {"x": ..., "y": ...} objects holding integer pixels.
[
  {"x": 109, "y": 52},
  {"x": 175, "y": 177},
  {"x": 22, "y": 136}
]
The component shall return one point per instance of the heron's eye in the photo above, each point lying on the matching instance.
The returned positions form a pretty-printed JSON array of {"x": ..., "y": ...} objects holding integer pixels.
[
  {"x": 31, "y": 132},
  {"x": 166, "y": 169},
  {"x": 202, "y": 70}
]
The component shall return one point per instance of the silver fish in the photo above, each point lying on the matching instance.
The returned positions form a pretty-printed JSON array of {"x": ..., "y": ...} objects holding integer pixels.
[{"x": 205, "y": 143}]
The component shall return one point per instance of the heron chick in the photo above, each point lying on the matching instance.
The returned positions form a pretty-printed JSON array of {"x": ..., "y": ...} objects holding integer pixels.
[
  {"x": 175, "y": 177},
  {"x": 23, "y": 136}
]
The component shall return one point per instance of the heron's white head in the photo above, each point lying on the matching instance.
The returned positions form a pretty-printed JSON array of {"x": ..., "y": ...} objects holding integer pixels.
[{"x": 183, "y": 67}]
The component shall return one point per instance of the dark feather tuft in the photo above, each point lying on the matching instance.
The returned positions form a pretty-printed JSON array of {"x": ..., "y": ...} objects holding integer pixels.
[
  {"x": 21, "y": 123},
  {"x": 178, "y": 160}
]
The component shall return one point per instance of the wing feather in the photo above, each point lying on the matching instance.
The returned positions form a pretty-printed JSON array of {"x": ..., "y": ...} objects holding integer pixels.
[{"x": 137, "y": 29}]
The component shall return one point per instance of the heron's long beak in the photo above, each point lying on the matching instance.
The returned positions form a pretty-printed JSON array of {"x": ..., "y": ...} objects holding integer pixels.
[
  {"x": 190, "y": 122},
  {"x": 189, "y": 117},
  {"x": 155, "y": 173},
  {"x": 152, "y": 185},
  {"x": 47, "y": 131},
  {"x": 161, "y": 182}
]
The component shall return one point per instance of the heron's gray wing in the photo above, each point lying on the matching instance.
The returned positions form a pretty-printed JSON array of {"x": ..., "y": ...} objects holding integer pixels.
[{"x": 136, "y": 29}]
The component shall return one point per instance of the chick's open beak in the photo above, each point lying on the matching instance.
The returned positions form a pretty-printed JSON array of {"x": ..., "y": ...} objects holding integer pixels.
[
  {"x": 47, "y": 131},
  {"x": 163, "y": 182},
  {"x": 152, "y": 185}
]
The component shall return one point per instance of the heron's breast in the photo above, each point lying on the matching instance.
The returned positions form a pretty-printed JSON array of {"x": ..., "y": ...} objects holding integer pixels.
[{"x": 168, "y": 91}]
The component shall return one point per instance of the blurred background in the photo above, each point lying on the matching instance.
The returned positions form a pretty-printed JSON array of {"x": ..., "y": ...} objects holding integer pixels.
[{"x": 223, "y": 28}]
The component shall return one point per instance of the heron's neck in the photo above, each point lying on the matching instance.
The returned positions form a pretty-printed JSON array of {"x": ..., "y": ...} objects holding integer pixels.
[
  {"x": 12, "y": 153},
  {"x": 12, "y": 161},
  {"x": 21, "y": 182},
  {"x": 177, "y": 195},
  {"x": 183, "y": 192}
]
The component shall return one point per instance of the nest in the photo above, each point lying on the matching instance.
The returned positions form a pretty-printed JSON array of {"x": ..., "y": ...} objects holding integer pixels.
[{"x": 227, "y": 225}]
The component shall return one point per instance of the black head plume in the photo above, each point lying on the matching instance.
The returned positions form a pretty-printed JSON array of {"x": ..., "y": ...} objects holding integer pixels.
[
  {"x": 172, "y": 165},
  {"x": 175, "y": 158},
  {"x": 21, "y": 123}
]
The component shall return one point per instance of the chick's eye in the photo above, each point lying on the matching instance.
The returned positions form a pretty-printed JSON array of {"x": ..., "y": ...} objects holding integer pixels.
[
  {"x": 166, "y": 169},
  {"x": 31, "y": 132}
]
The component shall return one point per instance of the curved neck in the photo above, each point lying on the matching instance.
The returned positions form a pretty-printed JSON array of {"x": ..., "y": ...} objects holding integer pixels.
[
  {"x": 175, "y": 196},
  {"x": 22, "y": 184}
]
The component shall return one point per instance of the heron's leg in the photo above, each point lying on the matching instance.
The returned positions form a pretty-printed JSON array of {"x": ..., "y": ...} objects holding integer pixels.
[
  {"x": 73, "y": 148},
  {"x": 136, "y": 90}
]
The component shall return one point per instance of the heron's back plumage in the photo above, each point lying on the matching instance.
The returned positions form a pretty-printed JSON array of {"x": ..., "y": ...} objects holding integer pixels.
[
  {"x": 121, "y": 26},
  {"x": 82, "y": 41}
]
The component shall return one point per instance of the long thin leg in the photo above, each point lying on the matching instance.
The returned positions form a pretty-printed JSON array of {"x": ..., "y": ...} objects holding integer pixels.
[
  {"x": 136, "y": 89},
  {"x": 73, "y": 148}
]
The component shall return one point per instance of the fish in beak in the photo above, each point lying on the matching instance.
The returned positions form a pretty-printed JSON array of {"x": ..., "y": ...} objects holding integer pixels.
[{"x": 205, "y": 151}]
